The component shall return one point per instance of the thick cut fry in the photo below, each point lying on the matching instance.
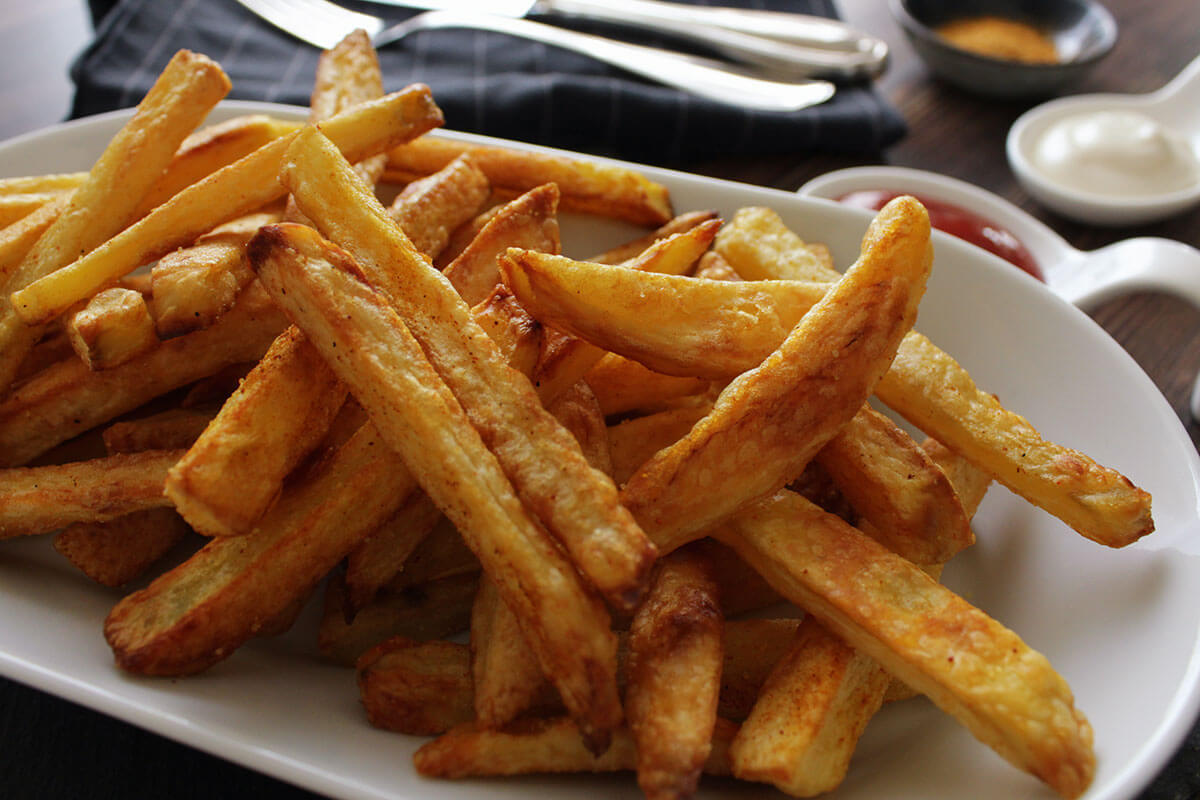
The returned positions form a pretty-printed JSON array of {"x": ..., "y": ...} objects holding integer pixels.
[
  {"x": 189, "y": 86},
  {"x": 592, "y": 187},
  {"x": 431, "y": 209},
  {"x": 529, "y": 222},
  {"x": 384, "y": 553},
  {"x": 425, "y": 611},
  {"x": 769, "y": 423},
  {"x": 418, "y": 688},
  {"x": 518, "y": 335},
  {"x": 622, "y": 386},
  {"x": 675, "y": 675},
  {"x": 361, "y": 336},
  {"x": 933, "y": 392},
  {"x": 68, "y": 398},
  {"x": 542, "y": 745},
  {"x": 972, "y": 667},
  {"x": 116, "y": 552},
  {"x": 17, "y": 239},
  {"x": 234, "y": 471},
  {"x": 198, "y": 613},
  {"x": 713, "y": 267},
  {"x": 810, "y": 713},
  {"x": 440, "y": 555},
  {"x": 52, "y": 182},
  {"x": 173, "y": 429},
  {"x": 114, "y": 327},
  {"x": 238, "y": 189},
  {"x": 579, "y": 412},
  {"x": 54, "y": 347},
  {"x": 576, "y": 503},
  {"x": 755, "y": 230},
  {"x": 635, "y": 247},
  {"x": 43, "y": 499},
  {"x": 192, "y": 286},
  {"x": 909, "y": 503},
  {"x": 15, "y": 207},
  {"x": 609, "y": 306},
  {"x": 506, "y": 674},
  {"x": 633, "y": 441}
]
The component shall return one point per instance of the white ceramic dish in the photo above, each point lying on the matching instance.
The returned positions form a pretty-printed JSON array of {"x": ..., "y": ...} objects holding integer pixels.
[
  {"x": 1122, "y": 626},
  {"x": 1175, "y": 106},
  {"x": 1085, "y": 278}
]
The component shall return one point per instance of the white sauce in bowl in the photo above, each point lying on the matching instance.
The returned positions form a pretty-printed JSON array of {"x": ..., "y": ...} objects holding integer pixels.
[{"x": 1117, "y": 152}]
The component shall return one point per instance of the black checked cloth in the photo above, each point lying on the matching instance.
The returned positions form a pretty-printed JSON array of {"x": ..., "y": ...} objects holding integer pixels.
[{"x": 484, "y": 82}]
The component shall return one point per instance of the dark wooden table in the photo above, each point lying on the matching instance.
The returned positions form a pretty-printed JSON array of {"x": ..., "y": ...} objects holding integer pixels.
[{"x": 53, "y": 749}]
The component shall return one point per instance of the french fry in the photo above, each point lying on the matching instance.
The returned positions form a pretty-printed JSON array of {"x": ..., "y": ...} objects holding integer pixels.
[
  {"x": 32, "y": 184},
  {"x": 530, "y": 221},
  {"x": 423, "y": 611},
  {"x": 431, "y": 209},
  {"x": 68, "y": 398},
  {"x": 233, "y": 473},
  {"x": 968, "y": 664},
  {"x": 518, "y": 335},
  {"x": 768, "y": 423},
  {"x": 43, "y": 499},
  {"x": 15, "y": 207},
  {"x": 623, "y": 385},
  {"x": 635, "y": 247},
  {"x": 242, "y": 187},
  {"x": 173, "y": 429},
  {"x": 608, "y": 306},
  {"x": 675, "y": 675},
  {"x": 576, "y": 503},
  {"x": 114, "y": 327},
  {"x": 188, "y": 87},
  {"x": 465, "y": 233},
  {"x": 367, "y": 344},
  {"x": 633, "y": 441},
  {"x": 578, "y": 410},
  {"x": 587, "y": 186},
  {"x": 54, "y": 346},
  {"x": 192, "y": 286},
  {"x": 713, "y": 267},
  {"x": 17, "y": 239},
  {"x": 440, "y": 555},
  {"x": 542, "y": 745},
  {"x": 198, "y": 613},
  {"x": 810, "y": 713},
  {"x": 506, "y": 676},
  {"x": 754, "y": 231},
  {"x": 116, "y": 552},
  {"x": 384, "y": 553}
]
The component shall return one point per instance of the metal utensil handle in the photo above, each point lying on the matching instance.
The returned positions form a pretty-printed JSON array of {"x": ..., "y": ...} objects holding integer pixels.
[
  {"x": 798, "y": 29},
  {"x": 836, "y": 55},
  {"x": 687, "y": 73}
]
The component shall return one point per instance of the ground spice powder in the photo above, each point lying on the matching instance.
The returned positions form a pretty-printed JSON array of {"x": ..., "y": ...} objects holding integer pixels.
[{"x": 1000, "y": 38}]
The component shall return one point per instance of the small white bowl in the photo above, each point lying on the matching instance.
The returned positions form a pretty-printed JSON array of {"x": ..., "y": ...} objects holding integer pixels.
[{"x": 1175, "y": 106}]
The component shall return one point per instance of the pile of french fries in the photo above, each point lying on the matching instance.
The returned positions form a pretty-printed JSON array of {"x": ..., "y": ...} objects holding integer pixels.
[{"x": 594, "y": 469}]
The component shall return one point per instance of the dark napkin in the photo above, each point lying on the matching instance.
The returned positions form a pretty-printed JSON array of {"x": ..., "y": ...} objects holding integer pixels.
[{"x": 484, "y": 82}]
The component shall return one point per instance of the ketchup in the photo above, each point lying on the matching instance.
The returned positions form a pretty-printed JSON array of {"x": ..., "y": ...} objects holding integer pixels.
[{"x": 958, "y": 222}]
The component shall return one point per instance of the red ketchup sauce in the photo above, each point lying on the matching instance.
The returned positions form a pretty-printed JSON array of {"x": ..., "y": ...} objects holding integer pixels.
[{"x": 958, "y": 222}]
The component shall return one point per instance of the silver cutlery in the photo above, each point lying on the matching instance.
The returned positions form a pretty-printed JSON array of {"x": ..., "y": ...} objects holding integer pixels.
[{"x": 324, "y": 24}]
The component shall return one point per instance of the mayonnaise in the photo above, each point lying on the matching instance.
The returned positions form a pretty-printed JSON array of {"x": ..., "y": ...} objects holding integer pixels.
[{"x": 1116, "y": 153}]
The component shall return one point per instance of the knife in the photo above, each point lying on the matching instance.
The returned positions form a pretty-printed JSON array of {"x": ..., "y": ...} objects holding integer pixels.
[{"x": 781, "y": 45}]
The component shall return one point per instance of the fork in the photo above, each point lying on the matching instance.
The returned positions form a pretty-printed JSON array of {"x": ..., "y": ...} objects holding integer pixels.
[{"x": 324, "y": 24}]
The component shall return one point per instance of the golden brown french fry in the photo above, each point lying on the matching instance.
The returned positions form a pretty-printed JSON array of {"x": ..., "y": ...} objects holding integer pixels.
[
  {"x": 609, "y": 307},
  {"x": 635, "y": 247},
  {"x": 234, "y": 471},
  {"x": 54, "y": 346},
  {"x": 810, "y": 713},
  {"x": 969, "y": 481},
  {"x": 440, "y": 555},
  {"x": 769, "y": 423},
  {"x": 192, "y": 286},
  {"x": 32, "y": 184},
  {"x": 173, "y": 429},
  {"x": 423, "y": 611},
  {"x": 15, "y": 207},
  {"x": 623, "y": 385},
  {"x": 675, "y": 674},
  {"x": 756, "y": 230},
  {"x": 418, "y": 688},
  {"x": 201, "y": 611},
  {"x": 972, "y": 667},
  {"x": 517, "y": 335},
  {"x": 116, "y": 552},
  {"x": 384, "y": 553},
  {"x": 905, "y": 498},
  {"x": 242, "y": 187},
  {"x": 188, "y": 87},
  {"x": 633, "y": 441},
  {"x": 576, "y": 503},
  {"x": 68, "y": 398},
  {"x": 362, "y": 337},
  {"x": 43, "y": 499},
  {"x": 114, "y": 327},
  {"x": 542, "y": 745},
  {"x": 928, "y": 388},
  {"x": 593, "y": 187},
  {"x": 431, "y": 209},
  {"x": 712, "y": 266},
  {"x": 530, "y": 222},
  {"x": 579, "y": 412},
  {"x": 17, "y": 239},
  {"x": 465, "y": 233},
  {"x": 507, "y": 678}
]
